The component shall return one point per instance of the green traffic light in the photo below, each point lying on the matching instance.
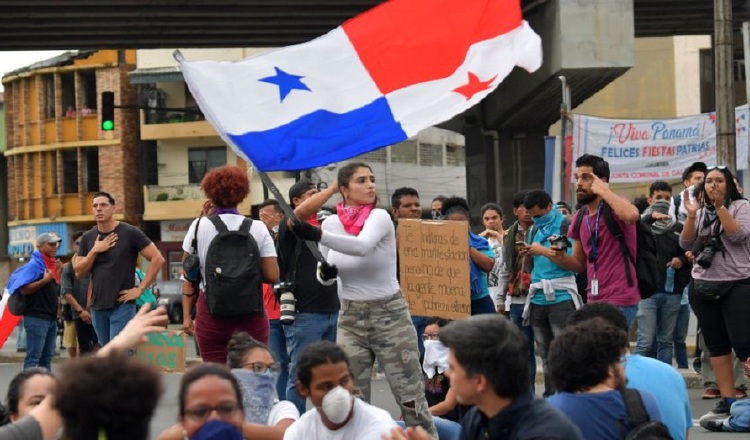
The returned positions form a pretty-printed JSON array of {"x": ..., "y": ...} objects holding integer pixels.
[{"x": 108, "y": 125}]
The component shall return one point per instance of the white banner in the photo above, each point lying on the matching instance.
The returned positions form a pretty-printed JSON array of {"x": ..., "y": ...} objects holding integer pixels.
[{"x": 643, "y": 150}]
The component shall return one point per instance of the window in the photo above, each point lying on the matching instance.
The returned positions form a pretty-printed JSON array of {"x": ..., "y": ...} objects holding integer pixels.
[
  {"x": 70, "y": 171},
  {"x": 49, "y": 97},
  {"x": 67, "y": 82},
  {"x": 455, "y": 155},
  {"x": 404, "y": 152},
  {"x": 203, "y": 160},
  {"x": 53, "y": 160},
  {"x": 430, "y": 155},
  {"x": 91, "y": 169},
  {"x": 88, "y": 83},
  {"x": 380, "y": 155}
]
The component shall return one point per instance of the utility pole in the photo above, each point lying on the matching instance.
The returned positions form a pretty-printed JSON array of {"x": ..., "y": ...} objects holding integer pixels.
[
  {"x": 726, "y": 145},
  {"x": 564, "y": 115}
]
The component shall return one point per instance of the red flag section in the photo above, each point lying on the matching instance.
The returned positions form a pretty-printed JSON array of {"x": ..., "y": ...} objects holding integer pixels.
[{"x": 405, "y": 42}]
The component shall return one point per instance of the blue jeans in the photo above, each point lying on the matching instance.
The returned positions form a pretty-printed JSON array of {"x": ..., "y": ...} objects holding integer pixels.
[
  {"x": 21, "y": 339},
  {"x": 657, "y": 317},
  {"x": 40, "y": 342},
  {"x": 110, "y": 322},
  {"x": 739, "y": 419},
  {"x": 548, "y": 322},
  {"x": 277, "y": 345},
  {"x": 516, "y": 310},
  {"x": 446, "y": 429},
  {"x": 307, "y": 328},
  {"x": 630, "y": 312},
  {"x": 680, "y": 335},
  {"x": 420, "y": 323}
]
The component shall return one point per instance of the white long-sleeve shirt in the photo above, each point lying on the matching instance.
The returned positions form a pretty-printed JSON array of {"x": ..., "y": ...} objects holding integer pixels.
[{"x": 367, "y": 262}]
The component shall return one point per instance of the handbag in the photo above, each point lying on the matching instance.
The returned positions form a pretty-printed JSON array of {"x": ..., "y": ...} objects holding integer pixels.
[
  {"x": 17, "y": 304},
  {"x": 713, "y": 290},
  {"x": 147, "y": 297}
]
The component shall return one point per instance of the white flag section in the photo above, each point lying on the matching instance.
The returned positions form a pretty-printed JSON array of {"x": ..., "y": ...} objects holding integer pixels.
[{"x": 642, "y": 150}]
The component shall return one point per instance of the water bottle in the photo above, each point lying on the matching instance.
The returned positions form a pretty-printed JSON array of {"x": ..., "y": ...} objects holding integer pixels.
[{"x": 669, "y": 284}]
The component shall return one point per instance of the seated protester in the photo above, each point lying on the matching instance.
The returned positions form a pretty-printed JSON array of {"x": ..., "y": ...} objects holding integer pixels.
[
  {"x": 323, "y": 375},
  {"x": 112, "y": 397},
  {"x": 485, "y": 352},
  {"x": 481, "y": 257},
  {"x": 586, "y": 367},
  {"x": 446, "y": 412},
  {"x": 739, "y": 415},
  {"x": 256, "y": 372},
  {"x": 44, "y": 421},
  {"x": 26, "y": 390},
  {"x": 646, "y": 374}
]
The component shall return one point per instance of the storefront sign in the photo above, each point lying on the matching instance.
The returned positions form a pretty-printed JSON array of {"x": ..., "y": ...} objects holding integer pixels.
[{"x": 174, "y": 230}]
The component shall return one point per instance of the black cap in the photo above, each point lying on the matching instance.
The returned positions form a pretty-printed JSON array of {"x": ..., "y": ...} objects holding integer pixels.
[
  {"x": 300, "y": 188},
  {"x": 696, "y": 166}
]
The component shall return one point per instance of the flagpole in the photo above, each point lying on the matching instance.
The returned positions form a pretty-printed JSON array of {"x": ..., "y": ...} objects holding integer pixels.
[{"x": 289, "y": 212}]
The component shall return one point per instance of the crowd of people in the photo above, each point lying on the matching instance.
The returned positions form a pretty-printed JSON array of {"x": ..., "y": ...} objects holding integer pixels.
[{"x": 291, "y": 312}]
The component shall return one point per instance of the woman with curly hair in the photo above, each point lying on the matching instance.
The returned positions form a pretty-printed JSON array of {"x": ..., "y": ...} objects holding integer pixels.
[
  {"x": 226, "y": 188},
  {"x": 717, "y": 231}
]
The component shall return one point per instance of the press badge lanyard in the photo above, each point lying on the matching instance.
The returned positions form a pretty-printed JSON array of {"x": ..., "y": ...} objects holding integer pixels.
[{"x": 594, "y": 248}]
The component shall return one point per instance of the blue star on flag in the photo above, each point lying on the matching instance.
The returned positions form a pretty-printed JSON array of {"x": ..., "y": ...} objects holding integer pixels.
[{"x": 286, "y": 82}]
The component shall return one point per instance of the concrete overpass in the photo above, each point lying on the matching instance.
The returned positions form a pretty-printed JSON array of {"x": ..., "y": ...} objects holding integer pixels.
[{"x": 588, "y": 41}]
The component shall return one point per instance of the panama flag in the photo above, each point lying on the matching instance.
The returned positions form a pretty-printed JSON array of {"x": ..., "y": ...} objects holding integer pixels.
[
  {"x": 28, "y": 273},
  {"x": 374, "y": 81}
]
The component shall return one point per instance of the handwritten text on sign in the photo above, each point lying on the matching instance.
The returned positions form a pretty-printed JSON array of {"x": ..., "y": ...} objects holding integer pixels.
[
  {"x": 166, "y": 350},
  {"x": 434, "y": 267}
]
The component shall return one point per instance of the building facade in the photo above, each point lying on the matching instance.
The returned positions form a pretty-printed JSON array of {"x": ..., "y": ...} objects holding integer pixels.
[{"x": 57, "y": 155}]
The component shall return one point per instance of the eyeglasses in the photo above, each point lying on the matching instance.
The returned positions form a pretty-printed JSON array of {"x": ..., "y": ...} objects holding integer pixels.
[
  {"x": 430, "y": 337},
  {"x": 53, "y": 244},
  {"x": 718, "y": 167},
  {"x": 260, "y": 367},
  {"x": 201, "y": 413}
]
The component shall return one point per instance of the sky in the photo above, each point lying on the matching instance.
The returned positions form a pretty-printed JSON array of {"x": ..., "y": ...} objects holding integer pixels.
[{"x": 13, "y": 60}]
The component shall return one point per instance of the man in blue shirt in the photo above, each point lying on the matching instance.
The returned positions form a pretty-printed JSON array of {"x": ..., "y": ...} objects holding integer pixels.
[
  {"x": 586, "y": 365},
  {"x": 647, "y": 374},
  {"x": 553, "y": 294}
]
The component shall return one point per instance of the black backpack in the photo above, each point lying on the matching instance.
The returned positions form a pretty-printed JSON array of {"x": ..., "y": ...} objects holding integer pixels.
[
  {"x": 233, "y": 273},
  {"x": 641, "y": 427},
  {"x": 645, "y": 262}
]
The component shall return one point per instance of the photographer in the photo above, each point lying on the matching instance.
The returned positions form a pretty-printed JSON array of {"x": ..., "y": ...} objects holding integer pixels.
[
  {"x": 553, "y": 294},
  {"x": 317, "y": 305},
  {"x": 717, "y": 230}
]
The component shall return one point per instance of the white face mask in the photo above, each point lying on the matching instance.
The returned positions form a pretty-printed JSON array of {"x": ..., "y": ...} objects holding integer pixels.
[
  {"x": 337, "y": 404},
  {"x": 435, "y": 357}
]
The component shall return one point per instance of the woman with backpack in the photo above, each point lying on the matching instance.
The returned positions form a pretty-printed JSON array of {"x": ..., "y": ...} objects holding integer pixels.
[
  {"x": 717, "y": 231},
  {"x": 228, "y": 294},
  {"x": 374, "y": 322}
]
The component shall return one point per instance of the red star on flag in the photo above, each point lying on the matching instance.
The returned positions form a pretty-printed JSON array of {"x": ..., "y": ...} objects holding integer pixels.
[{"x": 474, "y": 86}]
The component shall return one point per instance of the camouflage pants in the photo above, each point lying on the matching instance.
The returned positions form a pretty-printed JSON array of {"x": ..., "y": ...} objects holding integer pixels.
[{"x": 382, "y": 329}]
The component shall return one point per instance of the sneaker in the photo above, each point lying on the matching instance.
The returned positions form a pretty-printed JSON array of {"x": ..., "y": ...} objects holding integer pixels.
[
  {"x": 740, "y": 393},
  {"x": 721, "y": 408},
  {"x": 711, "y": 393},
  {"x": 712, "y": 422}
]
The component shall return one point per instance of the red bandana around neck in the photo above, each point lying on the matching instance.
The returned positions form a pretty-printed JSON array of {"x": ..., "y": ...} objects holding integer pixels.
[
  {"x": 50, "y": 263},
  {"x": 353, "y": 217}
]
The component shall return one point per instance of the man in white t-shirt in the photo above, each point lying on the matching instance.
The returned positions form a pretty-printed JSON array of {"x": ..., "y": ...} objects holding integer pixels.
[{"x": 323, "y": 376}]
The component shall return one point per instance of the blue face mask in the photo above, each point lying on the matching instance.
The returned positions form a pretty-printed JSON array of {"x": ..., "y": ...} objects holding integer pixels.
[
  {"x": 545, "y": 220},
  {"x": 258, "y": 393},
  {"x": 218, "y": 430}
]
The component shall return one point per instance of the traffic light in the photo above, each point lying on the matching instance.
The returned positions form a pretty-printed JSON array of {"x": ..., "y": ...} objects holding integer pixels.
[{"x": 108, "y": 111}]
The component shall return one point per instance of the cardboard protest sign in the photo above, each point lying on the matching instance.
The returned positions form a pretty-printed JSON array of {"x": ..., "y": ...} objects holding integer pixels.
[
  {"x": 434, "y": 267},
  {"x": 167, "y": 350}
]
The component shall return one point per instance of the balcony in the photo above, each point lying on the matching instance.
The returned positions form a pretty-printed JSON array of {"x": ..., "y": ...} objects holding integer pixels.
[
  {"x": 177, "y": 202},
  {"x": 160, "y": 125}
]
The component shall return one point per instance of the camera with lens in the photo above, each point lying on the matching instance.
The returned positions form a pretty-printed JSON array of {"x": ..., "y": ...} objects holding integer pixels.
[
  {"x": 191, "y": 267},
  {"x": 559, "y": 242},
  {"x": 284, "y": 291},
  {"x": 707, "y": 254}
]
